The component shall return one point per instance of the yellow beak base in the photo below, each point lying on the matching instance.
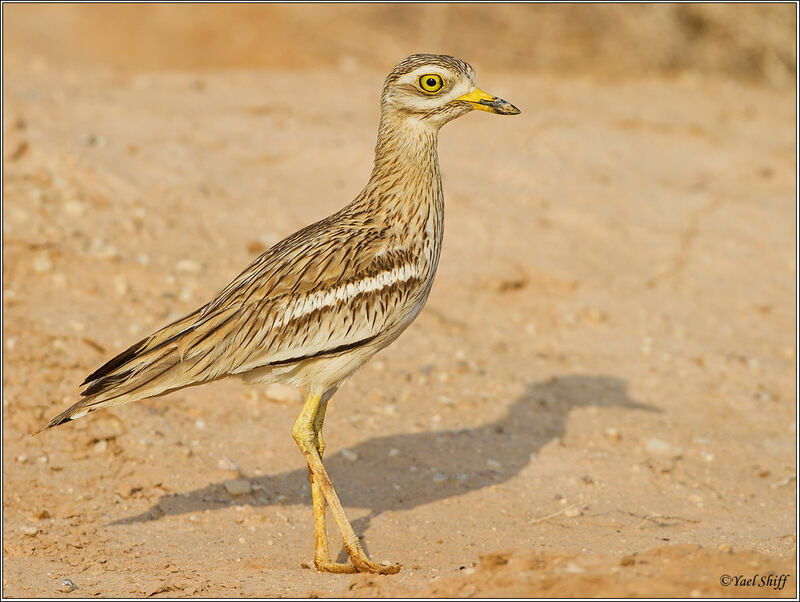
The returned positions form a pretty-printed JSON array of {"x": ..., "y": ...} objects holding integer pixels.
[{"x": 486, "y": 102}]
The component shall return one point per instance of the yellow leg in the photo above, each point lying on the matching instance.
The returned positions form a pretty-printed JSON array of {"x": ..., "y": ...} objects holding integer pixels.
[
  {"x": 306, "y": 432},
  {"x": 321, "y": 554}
]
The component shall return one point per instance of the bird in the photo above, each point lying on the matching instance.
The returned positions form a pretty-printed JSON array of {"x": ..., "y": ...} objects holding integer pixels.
[{"x": 314, "y": 307}]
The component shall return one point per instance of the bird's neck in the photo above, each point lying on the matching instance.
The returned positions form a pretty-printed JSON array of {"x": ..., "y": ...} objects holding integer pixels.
[{"x": 405, "y": 176}]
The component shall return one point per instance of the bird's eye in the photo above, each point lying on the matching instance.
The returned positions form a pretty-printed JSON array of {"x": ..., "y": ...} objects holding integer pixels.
[{"x": 431, "y": 83}]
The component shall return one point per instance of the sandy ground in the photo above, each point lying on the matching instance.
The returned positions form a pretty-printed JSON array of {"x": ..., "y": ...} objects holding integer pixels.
[{"x": 598, "y": 399}]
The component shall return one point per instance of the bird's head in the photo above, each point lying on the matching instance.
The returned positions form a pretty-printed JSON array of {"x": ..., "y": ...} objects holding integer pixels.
[{"x": 435, "y": 89}]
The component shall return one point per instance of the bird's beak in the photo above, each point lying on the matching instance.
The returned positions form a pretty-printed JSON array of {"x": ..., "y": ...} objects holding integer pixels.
[{"x": 486, "y": 102}]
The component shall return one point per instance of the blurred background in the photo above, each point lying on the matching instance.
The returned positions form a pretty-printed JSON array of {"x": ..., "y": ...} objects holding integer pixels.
[{"x": 753, "y": 42}]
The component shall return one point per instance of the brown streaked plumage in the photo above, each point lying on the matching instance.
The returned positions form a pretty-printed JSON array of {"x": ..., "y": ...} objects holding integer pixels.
[{"x": 320, "y": 303}]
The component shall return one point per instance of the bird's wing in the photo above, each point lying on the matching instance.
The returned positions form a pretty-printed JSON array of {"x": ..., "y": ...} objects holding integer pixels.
[{"x": 325, "y": 289}]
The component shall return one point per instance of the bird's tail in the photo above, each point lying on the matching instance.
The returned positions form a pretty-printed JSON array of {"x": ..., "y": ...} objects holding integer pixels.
[{"x": 167, "y": 360}]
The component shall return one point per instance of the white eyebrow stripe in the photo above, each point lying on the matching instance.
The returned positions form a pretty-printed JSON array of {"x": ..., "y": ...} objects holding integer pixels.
[{"x": 343, "y": 293}]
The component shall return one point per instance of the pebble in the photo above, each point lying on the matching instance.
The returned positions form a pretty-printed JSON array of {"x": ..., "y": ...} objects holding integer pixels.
[
  {"x": 42, "y": 264},
  {"x": 75, "y": 208},
  {"x": 101, "y": 446},
  {"x": 612, "y": 433},
  {"x": 238, "y": 486},
  {"x": 99, "y": 248},
  {"x": 572, "y": 512},
  {"x": 349, "y": 454},
  {"x": 439, "y": 477},
  {"x": 493, "y": 463},
  {"x": 187, "y": 266},
  {"x": 225, "y": 463},
  {"x": 394, "y": 452},
  {"x": 29, "y": 530},
  {"x": 67, "y": 586},
  {"x": 120, "y": 283},
  {"x": 658, "y": 447},
  {"x": 725, "y": 548}
]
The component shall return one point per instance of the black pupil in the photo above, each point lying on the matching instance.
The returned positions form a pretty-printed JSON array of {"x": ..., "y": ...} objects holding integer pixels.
[{"x": 431, "y": 82}]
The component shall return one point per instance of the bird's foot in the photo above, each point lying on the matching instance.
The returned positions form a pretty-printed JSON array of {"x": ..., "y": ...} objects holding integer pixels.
[
  {"x": 364, "y": 565},
  {"x": 360, "y": 564}
]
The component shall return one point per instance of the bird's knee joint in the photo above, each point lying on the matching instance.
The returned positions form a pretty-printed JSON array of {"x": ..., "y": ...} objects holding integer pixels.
[{"x": 302, "y": 434}]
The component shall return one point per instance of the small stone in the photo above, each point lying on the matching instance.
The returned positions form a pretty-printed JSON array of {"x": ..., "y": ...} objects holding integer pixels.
[
  {"x": 627, "y": 561},
  {"x": 120, "y": 283},
  {"x": 658, "y": 447},
  {"x": 238, "y": 486},
  {"x": 612, "y": 434},
  {"x": 725, "y": 548},
  {"x": 42, "y": 264},
  {"x": 708, "y": 457},
  {"x": 439, "y": 477},
  {"x": 41, "y": 515},
  {"x": 101, "y": 446},
  {"x": 75, "y": 208},
  {"x": 572, "y": 512},
  {"x": 394, "y": 452},
  {"x": 188, "y": 266},
  {"x": 22, "y": 458},
  {"x": 99, "y": 248},
  {"x": 200, "y": 424},
  {"x": 225, "y": 463},
  {"x": 493, "y": 464},
  {"x": 349, "y": 454},
  {"x": 67, "y": 586},
  {"x": 696, "y": 499},
  {"x": 29, "y": 530}
]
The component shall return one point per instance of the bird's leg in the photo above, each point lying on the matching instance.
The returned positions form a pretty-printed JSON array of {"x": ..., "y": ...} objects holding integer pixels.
[
  {"x": 306, "y": 435},
  {"x": 321, "y": 554}
]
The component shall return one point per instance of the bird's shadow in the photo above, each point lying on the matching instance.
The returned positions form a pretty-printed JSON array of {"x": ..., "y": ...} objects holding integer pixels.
[{"x": 400, "y": 472}]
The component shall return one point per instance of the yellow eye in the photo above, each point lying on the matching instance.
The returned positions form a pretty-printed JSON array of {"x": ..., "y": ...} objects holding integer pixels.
[{"x": 431, "y": 83}]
